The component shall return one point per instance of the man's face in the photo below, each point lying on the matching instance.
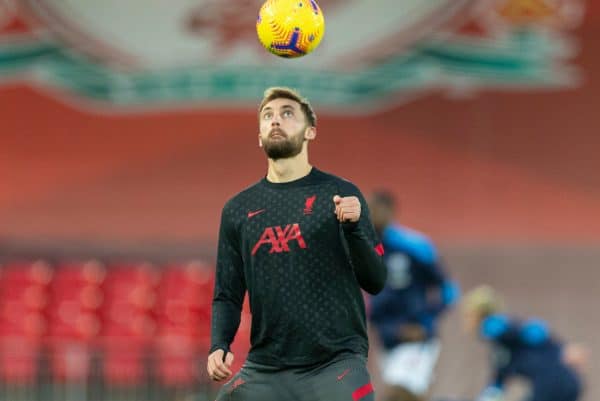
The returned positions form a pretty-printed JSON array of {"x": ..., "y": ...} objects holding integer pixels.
[
  {"x": 470, "y": 321},
  {"x": 381, "y": 215},
  {"x": 283, "y": 129}
]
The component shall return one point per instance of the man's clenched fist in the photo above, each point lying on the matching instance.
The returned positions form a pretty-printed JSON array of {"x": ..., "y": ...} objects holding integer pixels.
[{"x": 347, "y": 209}]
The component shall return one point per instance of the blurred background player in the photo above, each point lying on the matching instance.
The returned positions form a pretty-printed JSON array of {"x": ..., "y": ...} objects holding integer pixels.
[
  {"x": 523, "y": 348},
  {"x": 404, "y": 315}
]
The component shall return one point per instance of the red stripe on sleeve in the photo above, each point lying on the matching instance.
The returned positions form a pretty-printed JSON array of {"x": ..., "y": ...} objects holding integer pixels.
[
  {"x": 362, "y": 391},
  {"x": 379, "y": 249}
]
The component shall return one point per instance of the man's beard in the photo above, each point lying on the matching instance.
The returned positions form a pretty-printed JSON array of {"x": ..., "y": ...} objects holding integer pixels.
[{"x": 284, "y": 148}]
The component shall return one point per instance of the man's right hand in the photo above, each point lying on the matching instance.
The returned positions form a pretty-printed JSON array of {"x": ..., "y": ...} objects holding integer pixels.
[{"x": 219, "y": 369}]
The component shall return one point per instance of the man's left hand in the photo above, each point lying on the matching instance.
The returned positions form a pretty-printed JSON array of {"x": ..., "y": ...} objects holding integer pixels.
[{"x": 347, "y": 209}]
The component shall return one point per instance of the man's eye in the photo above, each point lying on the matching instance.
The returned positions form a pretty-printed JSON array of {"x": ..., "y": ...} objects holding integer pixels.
[
  {"x": 287, "y": 113},
  {"x": 266, "y": 116}
]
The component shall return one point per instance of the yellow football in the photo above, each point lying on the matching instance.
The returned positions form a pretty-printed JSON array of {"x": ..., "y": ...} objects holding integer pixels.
[{"x": 290, "y": 28}]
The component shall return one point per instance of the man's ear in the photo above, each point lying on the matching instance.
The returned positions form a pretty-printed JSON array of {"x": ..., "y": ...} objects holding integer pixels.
[
  {"x": 310, "y": 133},
  {"x": 259, "y": 141}
]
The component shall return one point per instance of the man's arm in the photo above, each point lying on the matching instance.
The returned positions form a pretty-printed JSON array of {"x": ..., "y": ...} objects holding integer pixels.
[
  {"x": 448, "y": 295},
  {"x": 366, "y": 252},
  {"x": 228, "y": 298},
  {"x": 444, "y": 292},
  {"x": 531, "y": 333}
]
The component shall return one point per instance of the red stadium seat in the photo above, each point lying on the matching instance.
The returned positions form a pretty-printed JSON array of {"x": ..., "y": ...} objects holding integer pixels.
[
  {"x": 19, "y": 360},
  {"x": 75, "y": 298},
  {"x": 127, "y": 322},
  {"x": 183, "y": 323},
  {"x": 70, "y": 361},
  {"x": 73, "y": 319},
  {"x": 184, "y": 300},
  {"x": 129, "y": 300},
  {"x": 23, "y": 298},
  {"x": 26, "y": 272},
  {"x": 123, "y": 364},
  {"x": 177, "y": 361}
]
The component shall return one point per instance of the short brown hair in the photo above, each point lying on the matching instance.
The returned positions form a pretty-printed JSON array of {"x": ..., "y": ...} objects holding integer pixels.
[
  {"x": 278, "y": 92},
  {"x": 483, "y": 301}
]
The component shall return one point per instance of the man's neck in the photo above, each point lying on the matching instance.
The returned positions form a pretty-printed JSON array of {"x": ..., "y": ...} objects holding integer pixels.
[{"x": 286, "y": 170}]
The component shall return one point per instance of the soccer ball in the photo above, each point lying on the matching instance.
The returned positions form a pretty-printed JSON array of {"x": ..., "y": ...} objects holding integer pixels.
[{"x": 290, "y": 28}]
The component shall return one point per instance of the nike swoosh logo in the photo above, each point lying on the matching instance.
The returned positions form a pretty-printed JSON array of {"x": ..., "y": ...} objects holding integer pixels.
[
  {"x": 252, "y": 214},
  {"x": 340, "y": 377}
]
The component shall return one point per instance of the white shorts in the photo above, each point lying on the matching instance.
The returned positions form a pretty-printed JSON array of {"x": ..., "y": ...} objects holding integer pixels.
[{"x": 410, "y": 365}]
